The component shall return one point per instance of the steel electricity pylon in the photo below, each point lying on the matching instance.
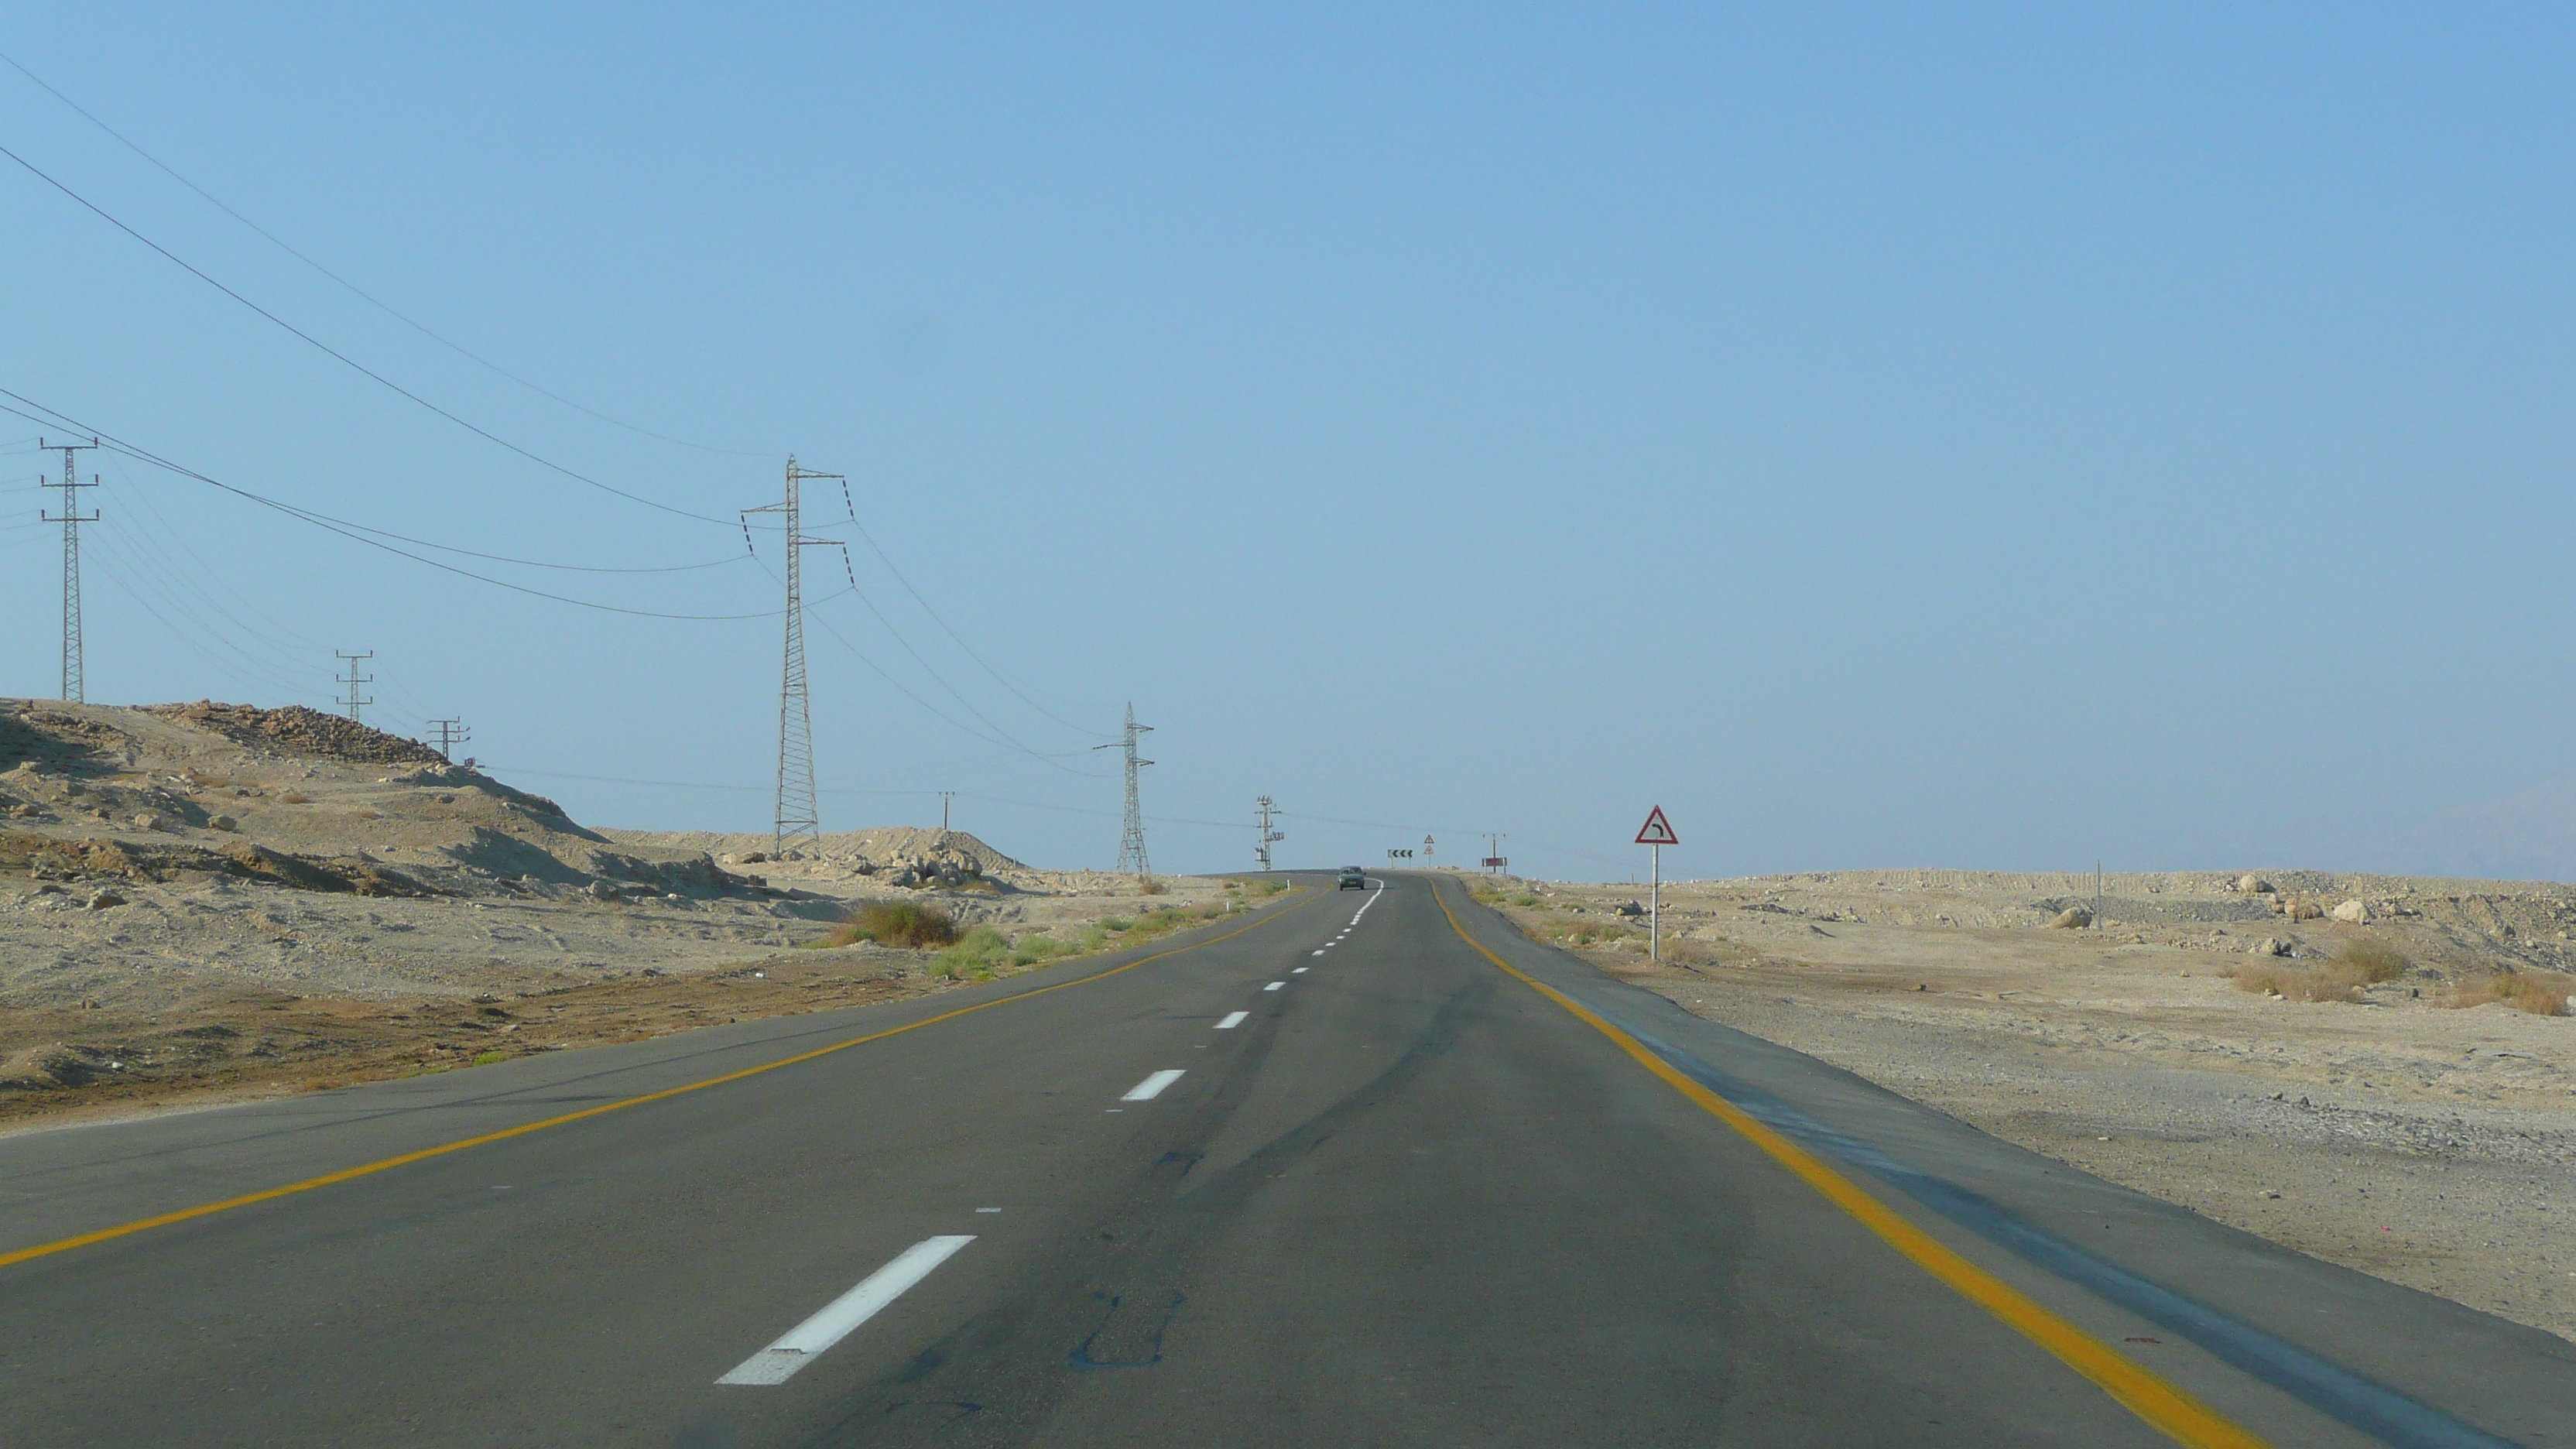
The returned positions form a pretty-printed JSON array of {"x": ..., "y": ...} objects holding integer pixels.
[
  {"x": 1131, "y": 841},
  {"x": 797, "y": 819},
  {"x": 1267, "y": 837},
  {"x": 75, "y": 689},
  {"x": 353, "y": 679}
]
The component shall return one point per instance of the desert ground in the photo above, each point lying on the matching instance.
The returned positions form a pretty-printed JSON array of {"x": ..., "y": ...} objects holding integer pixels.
[
  {"x": 203, "y": 902},
  {"x": 2208, "y": 1042}
]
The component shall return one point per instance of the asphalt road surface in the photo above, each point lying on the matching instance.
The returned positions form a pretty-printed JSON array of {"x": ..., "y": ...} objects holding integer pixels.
[{"x": 1328, "y": 1177}]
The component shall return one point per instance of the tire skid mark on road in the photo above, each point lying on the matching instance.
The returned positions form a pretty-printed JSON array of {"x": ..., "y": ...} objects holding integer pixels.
[
  {"x": 369, "y": 1169},
  {"x": 1110, "y": 1292}
]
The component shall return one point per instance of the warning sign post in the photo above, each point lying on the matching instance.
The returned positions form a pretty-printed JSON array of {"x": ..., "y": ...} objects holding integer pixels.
[{"x": 1657, "y": 832}]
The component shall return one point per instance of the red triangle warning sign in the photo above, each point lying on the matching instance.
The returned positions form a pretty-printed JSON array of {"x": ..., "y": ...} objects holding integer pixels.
[{"x": 1658, "y": 830}]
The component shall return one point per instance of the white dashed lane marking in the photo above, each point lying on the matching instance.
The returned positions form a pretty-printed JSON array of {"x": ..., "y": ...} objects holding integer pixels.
[
  {"x": 1232, "y": 1020},
  {"x": 779, "y": 1362},
  {"x": 1152, "y": 1087},
  {"x": 1275, "y": 985}
]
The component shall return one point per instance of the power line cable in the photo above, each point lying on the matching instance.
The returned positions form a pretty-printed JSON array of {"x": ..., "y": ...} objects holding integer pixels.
[
  {"x": 143, "y": 456},
  {"x": 998, "y": 676},
  {"x": 900, "y": 688},
  {"x": 362, "y": 294},
  {"x": 359, "y": 367}
]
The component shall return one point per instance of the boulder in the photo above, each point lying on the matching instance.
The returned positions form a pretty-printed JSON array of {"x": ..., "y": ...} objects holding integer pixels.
[
  {"x": 105, "y": 899},
  {"x": 2304, "y": 911},
  {"x": 147, "y": 821},
  {"x": 2073, "y": 918},
  {"x": 2252, "y": 885},
  {"x": 223, "y": 822},
  {"x": 2269, "y": 946},
  {"x": 2352, "y": 913},
  {"x": 601, "y": 890},
  {"x": 1631, "y": 909}
]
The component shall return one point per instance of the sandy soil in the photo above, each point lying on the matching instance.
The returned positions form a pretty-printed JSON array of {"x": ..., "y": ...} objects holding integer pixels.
[
  {"x": 2395, "y": 1132},
  {"x": 222, "y": 901}
]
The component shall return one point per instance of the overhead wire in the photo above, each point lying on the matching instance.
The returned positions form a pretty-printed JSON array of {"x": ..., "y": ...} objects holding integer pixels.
[
  {"x": 960, "y": 639},
  {"x": 349, "y": 532},
  {"x": 352, "y": 363},
  {"x": 361, "y": 293}
]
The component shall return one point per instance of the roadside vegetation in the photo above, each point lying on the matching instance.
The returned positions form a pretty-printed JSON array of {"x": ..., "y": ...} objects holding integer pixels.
[
  {"x": 913, "y": 924},
  {"x": 2542, "y": 993},
  {"x": 2358, "y": 964}
]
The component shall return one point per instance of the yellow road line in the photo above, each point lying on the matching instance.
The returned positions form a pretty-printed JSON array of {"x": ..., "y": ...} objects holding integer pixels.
[
  {"x": 2178, "y": 1415},
  {"x": 346, "y": 1174}
]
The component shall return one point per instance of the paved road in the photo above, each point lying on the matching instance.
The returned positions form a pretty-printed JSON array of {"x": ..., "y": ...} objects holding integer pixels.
[{"x": 1401, "y": 1191}]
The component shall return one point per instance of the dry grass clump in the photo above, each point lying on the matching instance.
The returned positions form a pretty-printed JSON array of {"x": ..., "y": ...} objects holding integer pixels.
[
  {"x": 2376, "y": 960},
  {"x": 897, "y": 923},
  {"x": 2542, "y": 993},
  {"x": 2360, "y": 963},
  {"x": 294, "y": 797},
  {"x": 1152, "y": 887}
]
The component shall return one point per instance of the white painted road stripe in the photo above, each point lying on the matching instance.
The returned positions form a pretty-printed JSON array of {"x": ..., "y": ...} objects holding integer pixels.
[
  {"x": 779, "y": 1362},
  {"x": 1152, "y": 1087},
  {"x": 1232, "y": 1020},
  {"x": 1297, "y": 971},
  {"x": 1319, "y": 953},
  {"x": 1364, "y": 905},
  {"x": 1275, "y": 985}
]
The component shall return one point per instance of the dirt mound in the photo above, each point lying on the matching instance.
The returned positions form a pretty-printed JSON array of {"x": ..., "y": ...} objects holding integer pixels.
[
  {"x": 883, "y": 846},
  {"x": 44, "y": 858},
  {"x": 31, "y": 734},
  {"x": 301, "y": 731}
]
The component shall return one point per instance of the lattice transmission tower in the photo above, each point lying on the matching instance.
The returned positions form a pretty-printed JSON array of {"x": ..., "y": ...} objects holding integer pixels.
[
  {"x": 1131, "y": 841},
  {"x": 75, "y": 689},
  {"x": 353, "y": 679},
  {"x": 797, "y": 821}
]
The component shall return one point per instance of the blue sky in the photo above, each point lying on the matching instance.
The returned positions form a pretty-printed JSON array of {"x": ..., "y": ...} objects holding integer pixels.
[{"x": 1977, "y": 436}]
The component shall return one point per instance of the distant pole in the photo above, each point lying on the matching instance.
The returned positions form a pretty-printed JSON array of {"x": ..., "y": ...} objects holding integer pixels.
[
  {"x": 1266, "y": 837},
  {"x": 451, "y": 733},
  {"x": 353, "y": 679},
  {"x": 944, "y": 797},
  {"x": 1655, "y": 914},
  {"x": 2097, "y": 893},
  {"x": 75, "y": 689}
]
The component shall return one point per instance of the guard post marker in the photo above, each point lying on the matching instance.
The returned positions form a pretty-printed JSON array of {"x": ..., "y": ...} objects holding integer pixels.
[{"x": 2166, "y": 1408}]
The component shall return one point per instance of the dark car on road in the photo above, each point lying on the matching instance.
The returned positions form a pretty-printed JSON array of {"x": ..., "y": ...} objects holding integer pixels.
[{"x": 1353, "y": 879}]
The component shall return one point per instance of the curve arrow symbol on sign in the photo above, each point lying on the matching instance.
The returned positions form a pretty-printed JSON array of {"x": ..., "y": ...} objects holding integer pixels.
[{"x": 1657, "y": 830}]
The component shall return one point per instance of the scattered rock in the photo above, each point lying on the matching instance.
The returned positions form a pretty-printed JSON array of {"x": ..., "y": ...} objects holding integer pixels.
[
  {"x": 2352, "y": 913},
  {"x": 2303, "y": 911},
  {"x": 147, "y": 821},
  {"x": 1631, "y": 909},
  {"x": 2269, "y": 946},
  {"x": 753, "y": 857},
  {"x": 2073, "y": 918},
  {"x": 105, "y": 899},
  {"x": 601, "y": 890},
  {"x": 223, "y": 822}
]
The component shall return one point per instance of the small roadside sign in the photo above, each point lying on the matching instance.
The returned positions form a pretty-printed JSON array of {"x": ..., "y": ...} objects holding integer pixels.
[{"x": 1657, "y": 830}]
